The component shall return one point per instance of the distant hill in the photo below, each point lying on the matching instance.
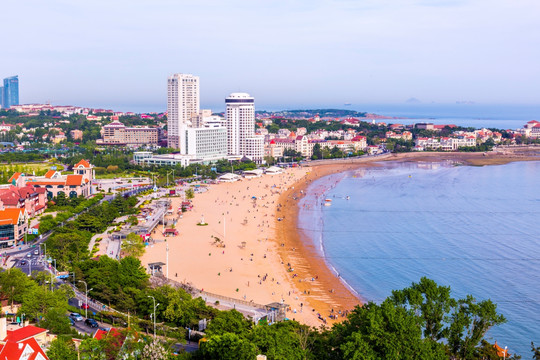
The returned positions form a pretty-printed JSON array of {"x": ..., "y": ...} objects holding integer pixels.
[
  {"x": 413, "y": 101},
  {"x": 314, "y": 112}
]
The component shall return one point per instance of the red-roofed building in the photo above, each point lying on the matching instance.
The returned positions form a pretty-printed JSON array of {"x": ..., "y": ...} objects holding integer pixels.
[
  {"x": 27, "y": 332},
  {"x": 500, "y": 351},
  {"x": 22, "y": 342},
  {"x": 23, "y": 197},
  {"x": 54, "y": 182},
  {"x": 13, "y": 226},
  {"x": 24, "y": 350}
]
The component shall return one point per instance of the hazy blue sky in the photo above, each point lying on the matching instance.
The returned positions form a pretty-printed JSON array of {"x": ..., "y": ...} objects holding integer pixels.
[{"x": 285, "y": 53}]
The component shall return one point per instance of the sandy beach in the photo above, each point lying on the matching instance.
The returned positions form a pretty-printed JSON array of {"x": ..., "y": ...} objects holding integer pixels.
[{"x": 277, "y": 262}]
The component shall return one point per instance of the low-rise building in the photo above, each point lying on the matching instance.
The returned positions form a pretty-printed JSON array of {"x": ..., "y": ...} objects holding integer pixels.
[
  {"x": 76, "y": 134},
  {"x": 54, "y": 182},
  {"x": 117, "y": 133},
  {"x": 13, "y": 226}
]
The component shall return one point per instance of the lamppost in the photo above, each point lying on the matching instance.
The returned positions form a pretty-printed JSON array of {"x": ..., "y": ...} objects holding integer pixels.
[
  {"x": 86, "y": 307},
  {"x": 505, "y": 348},
  {"x": 155, "y": 306}
]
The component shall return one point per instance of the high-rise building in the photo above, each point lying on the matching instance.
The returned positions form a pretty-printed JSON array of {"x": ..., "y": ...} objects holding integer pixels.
[
  {"x": 240, "y": 118},
  {"x": 1, "y": 97},
  {"x": 11, "y": 91},
  {"x": 182, "y": 106}
]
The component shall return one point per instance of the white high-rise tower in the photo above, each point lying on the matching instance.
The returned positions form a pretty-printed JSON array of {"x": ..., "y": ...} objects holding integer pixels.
[
  {"x": 182, "y": 105},
  {"x": 240, "y": 119}
]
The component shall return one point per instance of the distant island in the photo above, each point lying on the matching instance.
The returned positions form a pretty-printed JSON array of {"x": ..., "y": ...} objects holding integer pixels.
[{"x": 314, "y": 112}]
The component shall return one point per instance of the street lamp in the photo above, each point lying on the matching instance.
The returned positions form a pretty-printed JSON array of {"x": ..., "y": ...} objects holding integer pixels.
[
  {"x": 505, "y": 348},
  {"x": 86, "y": 307},
  {"x": 45, "y": 251},
  {"x": 155, "y": 306}
]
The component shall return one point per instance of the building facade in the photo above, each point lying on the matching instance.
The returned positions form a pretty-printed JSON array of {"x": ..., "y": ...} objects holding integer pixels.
[
  {"x": 54, "y": 182},
  {"x": 117, "y": 133},
  {"x": 240, "y": 119},
  {"x": 13, "y": 226},
  {"x": 182, "y": 105},
  {"x": 11, "y": 91},
  {"x": 209, "y": 143}
]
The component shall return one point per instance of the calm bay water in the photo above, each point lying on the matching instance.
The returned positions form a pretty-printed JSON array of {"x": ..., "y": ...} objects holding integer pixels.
[{"x": 475, "y": 229}]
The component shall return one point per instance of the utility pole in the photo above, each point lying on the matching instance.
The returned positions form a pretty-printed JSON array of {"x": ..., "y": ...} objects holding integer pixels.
[{"x": 167, "y": 258}]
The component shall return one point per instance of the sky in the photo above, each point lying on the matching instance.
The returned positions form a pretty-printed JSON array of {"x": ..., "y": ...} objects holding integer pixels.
[{"x": 285, "y": 53}]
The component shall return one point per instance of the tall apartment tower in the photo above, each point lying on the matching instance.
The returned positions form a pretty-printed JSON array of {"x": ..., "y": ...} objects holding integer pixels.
[
  {"x": 182, "y": 105},
  {"x": 11, "y": 91},
  {"x": 240, "y": 119}
]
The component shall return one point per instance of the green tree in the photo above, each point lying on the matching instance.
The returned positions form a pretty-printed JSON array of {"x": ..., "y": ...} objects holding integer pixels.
[
  {"x": 92, "y": 349},
  {"x": 317, "y": 152},
  {"x": 14, "y": 284},
  {"x": 279, "y": 341},
  {"x": 133, "y": 245},
  {"x": 228, "y": 346},
  {"x": 56, "y": 321},
  {"x": 535, "y": 351},
  {"x": 384, "y": 331},
  {"x": 62, "y": 349},
  {"x": 470, "y": 322},
  {"x": 430, "y": 300},
  {"x": 189, "y": 193},
  {"x": 230, "y": 321}
]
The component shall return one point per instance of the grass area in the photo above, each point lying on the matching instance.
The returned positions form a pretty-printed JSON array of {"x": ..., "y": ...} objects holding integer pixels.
[{"x": 40, "y": 168}]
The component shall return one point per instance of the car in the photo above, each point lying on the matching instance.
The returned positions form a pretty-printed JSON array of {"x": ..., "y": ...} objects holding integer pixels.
[
  {"x": 91, "y": 322},
  {"x": 23, "y": 262},
  {"x": 29, "y": 255},
  {"x": 71, "y": 322},
  {"x": 85, "y": 306},
  {"x": 76, "y": 316},
  {"x": 36, "y": 252}
]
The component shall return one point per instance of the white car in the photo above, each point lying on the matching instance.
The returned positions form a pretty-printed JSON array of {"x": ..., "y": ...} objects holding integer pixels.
[{"x": 76, "y": 316}]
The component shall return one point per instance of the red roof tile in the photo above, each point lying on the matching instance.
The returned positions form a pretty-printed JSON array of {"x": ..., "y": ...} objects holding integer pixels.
[
  {"x": 74, "y": 180},
  {"x": 83, "y": 162},
  {"x": 15, "y": 351},
  {"x": 24, "y": 333},
  {"x": 49, "y": 174}
]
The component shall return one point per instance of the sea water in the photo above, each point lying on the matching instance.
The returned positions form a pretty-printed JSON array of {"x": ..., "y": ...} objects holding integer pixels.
[{"x": 475, "y": 229}]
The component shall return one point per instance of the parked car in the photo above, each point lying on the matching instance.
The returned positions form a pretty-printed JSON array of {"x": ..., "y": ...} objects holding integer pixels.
[
  {"x": 91, "y": 322},
  {"x": 84, "y": 306},
  {"x": 76, "y": 317}
]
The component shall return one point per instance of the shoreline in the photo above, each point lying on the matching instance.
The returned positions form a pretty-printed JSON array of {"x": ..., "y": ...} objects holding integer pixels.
[
  {"x": 311, "y": 262},
  {"x": 264, "y": 259}
]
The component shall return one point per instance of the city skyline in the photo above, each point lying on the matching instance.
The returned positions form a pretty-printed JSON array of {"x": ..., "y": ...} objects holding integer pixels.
[{"x": 286, "y": 54}]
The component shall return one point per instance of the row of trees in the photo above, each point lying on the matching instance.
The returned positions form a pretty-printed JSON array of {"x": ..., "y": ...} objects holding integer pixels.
[
  {"x": 69, "y": 243},
  {"x": 422, "y": 321},
  {"x": 332, "y": 153}
]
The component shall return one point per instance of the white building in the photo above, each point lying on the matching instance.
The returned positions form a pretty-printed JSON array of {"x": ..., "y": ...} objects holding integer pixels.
[
  {"x": 183, "y": 103},
  {"x": 208, "y": 143},
  {"x": 241, "y": 138}
]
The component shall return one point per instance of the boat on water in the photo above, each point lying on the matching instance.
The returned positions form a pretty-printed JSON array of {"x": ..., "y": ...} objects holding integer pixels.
[
  {"x": 348, "y": 197},
  {"x": 328, "y": 202}
]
